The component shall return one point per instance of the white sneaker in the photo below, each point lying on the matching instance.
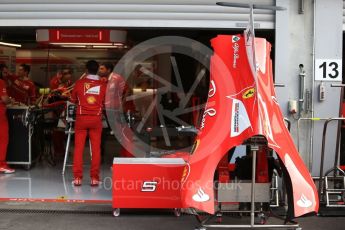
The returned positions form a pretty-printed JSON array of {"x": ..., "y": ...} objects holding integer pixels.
[{"x": 6, "y": 170}]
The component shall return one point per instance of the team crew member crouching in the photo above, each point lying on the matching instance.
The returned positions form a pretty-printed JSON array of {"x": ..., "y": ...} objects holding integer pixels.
[
  {"x": 4, "y": 100},
  {"x": 88, "y": 94}
]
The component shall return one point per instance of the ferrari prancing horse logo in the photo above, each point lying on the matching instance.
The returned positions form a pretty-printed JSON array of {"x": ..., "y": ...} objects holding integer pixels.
[
  {"x": 87, "y": 86},
  {"x": 249, "y": 93}
]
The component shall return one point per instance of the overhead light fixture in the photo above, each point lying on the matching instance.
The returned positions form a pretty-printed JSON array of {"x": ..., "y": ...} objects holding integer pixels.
[
  {"x": 73, "y": 46},
  {"x": 118, "y": 44},
  {"x": 10, "y": 44},
  {"x": 105, "y": 46},
  {"x": 91, "y": 45}
]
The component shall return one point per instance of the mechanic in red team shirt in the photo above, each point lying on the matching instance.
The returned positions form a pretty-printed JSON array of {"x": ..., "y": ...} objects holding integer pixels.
[
  {"x": 4, "y": 100},
  {"x": 61, "y": 80},
  {"x": 89, "y": 95},
  {"x": 23, "y": 89}
]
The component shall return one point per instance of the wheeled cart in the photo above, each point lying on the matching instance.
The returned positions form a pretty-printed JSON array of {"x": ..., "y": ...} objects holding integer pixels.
[{"x": 147, "y": 183}]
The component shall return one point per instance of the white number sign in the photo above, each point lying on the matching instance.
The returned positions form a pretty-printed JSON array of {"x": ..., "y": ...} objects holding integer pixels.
[{"x": 328, "y": 70}]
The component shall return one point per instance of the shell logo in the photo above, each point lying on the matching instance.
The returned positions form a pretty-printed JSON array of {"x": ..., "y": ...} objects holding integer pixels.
[
  {"x": 91, "y": 100},
  {"x": 248, "y": 93}
]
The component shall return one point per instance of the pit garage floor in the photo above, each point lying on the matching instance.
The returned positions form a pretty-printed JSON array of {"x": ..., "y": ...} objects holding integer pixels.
[
  {"x": 16, "y": 216},
  {"x": 44, "y": 183}
]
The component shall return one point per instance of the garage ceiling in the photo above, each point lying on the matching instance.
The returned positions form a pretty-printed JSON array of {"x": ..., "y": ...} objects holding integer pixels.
[{"x": 131, "y": 13}]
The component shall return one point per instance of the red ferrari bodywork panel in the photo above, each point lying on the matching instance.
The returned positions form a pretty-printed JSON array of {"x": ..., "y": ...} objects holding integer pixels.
[{"x": 242, "y": 104}]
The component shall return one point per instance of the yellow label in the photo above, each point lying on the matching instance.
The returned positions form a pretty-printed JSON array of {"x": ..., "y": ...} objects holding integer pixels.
[
  {"x": 249, "y": 93},
  {"x": 315, "y": 119}
]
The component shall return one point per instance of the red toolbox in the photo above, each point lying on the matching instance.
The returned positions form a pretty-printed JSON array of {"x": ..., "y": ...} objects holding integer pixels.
[{"x": 147, "y": 183}]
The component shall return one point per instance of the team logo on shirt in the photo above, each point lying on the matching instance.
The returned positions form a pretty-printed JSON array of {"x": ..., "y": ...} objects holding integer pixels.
[
  {"x": 92, "y": 90},
  {"x": 91, "y": 100}
]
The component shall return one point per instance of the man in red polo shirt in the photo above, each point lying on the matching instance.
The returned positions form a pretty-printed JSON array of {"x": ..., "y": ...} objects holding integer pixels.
[
  {"x": 89, "y": 95},
  {"x": 23, "y": 88},
  {"x": 4, "y": 100}
]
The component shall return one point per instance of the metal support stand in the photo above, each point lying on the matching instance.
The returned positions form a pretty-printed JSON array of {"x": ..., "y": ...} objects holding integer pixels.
[
  {"x": 254, "y": 142},
  {"x": 69, "y": 132},
  {"x": 254, "y": 149},
  {"x": 274, "y": 191}
]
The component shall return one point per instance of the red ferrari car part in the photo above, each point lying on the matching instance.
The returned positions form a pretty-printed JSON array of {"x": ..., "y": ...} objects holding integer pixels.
[{"x": 242, "y": 104}]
